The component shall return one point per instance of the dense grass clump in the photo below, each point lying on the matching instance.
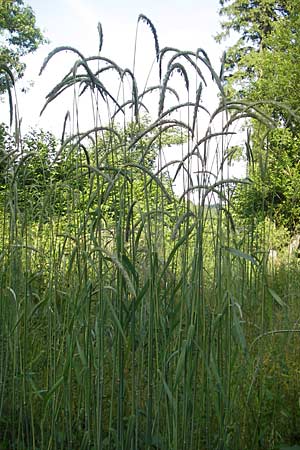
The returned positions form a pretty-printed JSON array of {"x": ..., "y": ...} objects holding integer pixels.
[{"x": 131, "y": 318}]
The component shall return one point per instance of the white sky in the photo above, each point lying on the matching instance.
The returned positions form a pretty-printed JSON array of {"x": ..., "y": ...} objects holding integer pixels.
[{"x": 187, "y": 25}]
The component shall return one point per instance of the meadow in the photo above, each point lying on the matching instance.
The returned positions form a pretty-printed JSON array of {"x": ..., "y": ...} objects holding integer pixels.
[{"x": 131, "y": 318}]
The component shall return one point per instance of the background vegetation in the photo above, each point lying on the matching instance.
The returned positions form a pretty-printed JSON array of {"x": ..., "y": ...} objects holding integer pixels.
[{"x": 19, "y": 36}]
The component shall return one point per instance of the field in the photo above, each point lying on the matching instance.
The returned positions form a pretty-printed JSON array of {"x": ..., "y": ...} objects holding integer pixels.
[{"x": 131, "y": 318}]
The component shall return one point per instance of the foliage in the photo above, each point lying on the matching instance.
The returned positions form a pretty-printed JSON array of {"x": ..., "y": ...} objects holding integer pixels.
[
  {"x": 263, "y": 66},
  {"x": 19, "y": 35},
  {"x": 275, "y": 188},
  {"x": 257, "y": 25},
  {"x": 44, "y": 180}
]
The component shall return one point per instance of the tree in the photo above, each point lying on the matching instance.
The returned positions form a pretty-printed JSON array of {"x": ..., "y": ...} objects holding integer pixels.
[
  {"x": 19, "y": 35},
  {"x": 256, "y": 23},
  {"x": 275, "y": 191},
  {"x": 264, "y": 66}
]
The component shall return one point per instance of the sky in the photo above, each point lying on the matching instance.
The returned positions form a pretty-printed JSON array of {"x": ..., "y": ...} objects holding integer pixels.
[{"x": 186, "y": 25}]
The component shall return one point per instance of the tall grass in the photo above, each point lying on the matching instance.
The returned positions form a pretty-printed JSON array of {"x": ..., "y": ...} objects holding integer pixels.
[{"x": 130, "y": 318}]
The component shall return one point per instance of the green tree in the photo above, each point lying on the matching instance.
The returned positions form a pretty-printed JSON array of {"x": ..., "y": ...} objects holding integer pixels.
[
  {"x": 264, "y": 66},
  {"x": 19, "y": 35},
  {"x": 275, "y": 191},
  {"x": 256, "y": 24}
]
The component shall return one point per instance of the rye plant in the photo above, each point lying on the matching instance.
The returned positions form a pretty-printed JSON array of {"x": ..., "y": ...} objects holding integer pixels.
[{"x": 132, "y": 318}]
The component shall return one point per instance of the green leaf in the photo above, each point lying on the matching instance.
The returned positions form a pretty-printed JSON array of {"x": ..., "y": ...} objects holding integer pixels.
[
  {"x": 114, "y": 259},
  {"x": 276, "y": 297},
  {"x": 168, "y": 392},
  {"x": 240, "y": 254},
  {"x": 115, "y": 319},
  {"x": 54, "y": 389},
  {"x": 238, "y": 330}
]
